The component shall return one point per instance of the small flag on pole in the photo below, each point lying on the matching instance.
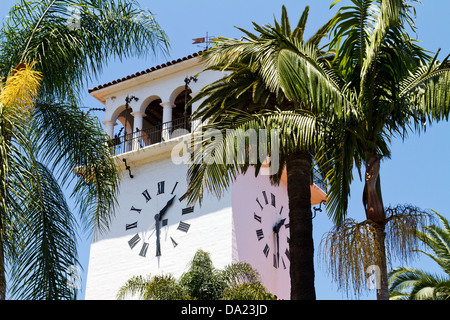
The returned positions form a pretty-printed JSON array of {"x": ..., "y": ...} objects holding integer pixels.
[{"x": 198, "y": 40}]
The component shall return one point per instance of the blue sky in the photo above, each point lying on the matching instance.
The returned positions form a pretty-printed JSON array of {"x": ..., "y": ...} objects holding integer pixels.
[{"x": 417, "y": 174}]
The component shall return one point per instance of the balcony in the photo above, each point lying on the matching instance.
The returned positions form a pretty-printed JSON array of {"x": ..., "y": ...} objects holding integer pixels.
[
  {"x": 154, "y": 134},
  {"x": 166, "y": 131}
]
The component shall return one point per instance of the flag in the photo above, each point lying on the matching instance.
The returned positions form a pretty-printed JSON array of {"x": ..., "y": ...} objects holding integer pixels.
[{"x": 198, "y": 40}]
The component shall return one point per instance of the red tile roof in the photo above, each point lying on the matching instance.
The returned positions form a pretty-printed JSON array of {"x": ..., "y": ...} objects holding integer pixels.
[{"x": 168, "y": 63}]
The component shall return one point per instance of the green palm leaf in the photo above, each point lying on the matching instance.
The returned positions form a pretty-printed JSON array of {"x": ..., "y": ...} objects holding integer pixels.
[
  {"x": 57, "y": 140},
  {"x": 72, "y": 140},
  {"x": 226, "y": 158},
  {"x": 67, "y": 57},
  {"x": 49, "y": 242},
  {"x": 413, "y": 284}
]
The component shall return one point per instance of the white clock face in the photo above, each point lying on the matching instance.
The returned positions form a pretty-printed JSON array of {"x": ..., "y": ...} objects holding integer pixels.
[
  {"x": 158, "y": 222},
  {"x": 271, "y": 230}
]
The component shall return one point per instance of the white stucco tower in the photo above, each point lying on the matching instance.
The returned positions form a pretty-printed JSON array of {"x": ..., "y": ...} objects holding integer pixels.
[{"x": 154, "y": 230}]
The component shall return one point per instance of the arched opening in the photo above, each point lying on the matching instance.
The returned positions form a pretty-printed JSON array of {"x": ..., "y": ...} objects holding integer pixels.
[
  {"x": 152, "y": 122},
  {"x": 126, "y": 120},
  {"x": 140, "y": 128},
  {"x": 123, "y": 130},
  {"x": 180, "y": 114}
]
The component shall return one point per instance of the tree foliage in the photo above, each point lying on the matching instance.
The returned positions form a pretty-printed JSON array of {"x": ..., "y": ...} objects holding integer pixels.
[
  {"x": 47, "y": 142},
  {"x": 237, "y": 281},
  {"x": 397, "y": 88},
  {"x": 414, "y": 284},
  {"x": 349, "y": 250},
  {"x": 279, "y": 85},
  {"x": 275, "y": 80}
]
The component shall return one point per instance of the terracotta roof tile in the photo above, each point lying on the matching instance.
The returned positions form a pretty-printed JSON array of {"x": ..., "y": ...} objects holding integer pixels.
[{"x": 140, "y": 73}]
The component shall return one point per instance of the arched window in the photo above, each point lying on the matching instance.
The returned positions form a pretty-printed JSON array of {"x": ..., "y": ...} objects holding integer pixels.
[
  {"x": 181, "y": 115},
  {"x": 152, "y": 123}
]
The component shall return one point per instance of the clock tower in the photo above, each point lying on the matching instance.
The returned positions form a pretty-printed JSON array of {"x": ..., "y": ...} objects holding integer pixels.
[{"x": 154, "y": 230}]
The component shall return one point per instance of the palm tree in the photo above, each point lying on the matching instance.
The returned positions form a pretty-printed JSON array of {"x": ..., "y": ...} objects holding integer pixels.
[
  {"x": 412, "y": 284},
  {"x": 159, "y": 287},
  {"x": 237, "y": 281},
  {"x": 281, "y": 83},
  {"x": 16, "y": 95},
  {"x": 50, "y": 143},
  {"x": 399, "y": 88}
]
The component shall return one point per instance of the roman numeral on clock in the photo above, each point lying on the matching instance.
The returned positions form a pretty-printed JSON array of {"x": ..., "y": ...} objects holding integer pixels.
[
  {"x": 146, "y": 196},
  {"x": 144, "y": 248},
  {"x": 260, "y": 205},
  {"x": 266, "y": 250},
  {"x": 174, "y": 187},
  {"x": 135, "y": 209},
  {"x": 259, "y": 234},
  {"x": 272, "y": 198},
  {"x": 131, "y": 226},
  {"x": 182, "y": 197},
  {"x": 288, "y": 254},
  {"x": 133, "y": 241},
  {"x": 160, "y": 187},
  {"x": 187, "y": 210},
  {"x": 256, "y": 217},
  {"x": 174, "y": 243},
  {"x": 183, "y": 226},
  {"x": 265, "y": 197}
]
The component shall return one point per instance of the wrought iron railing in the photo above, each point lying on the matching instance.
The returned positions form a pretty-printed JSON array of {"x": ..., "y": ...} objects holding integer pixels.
[
  {"x": 152, "y": 135},
  {"x": 318, "y": 181},
  {"x": 165, "y": 131}
]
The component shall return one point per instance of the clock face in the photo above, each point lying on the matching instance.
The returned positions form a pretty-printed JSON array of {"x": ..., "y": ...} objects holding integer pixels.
[
  {"x": 271, "y": 230},
  {"x": 159, "y": 221}
]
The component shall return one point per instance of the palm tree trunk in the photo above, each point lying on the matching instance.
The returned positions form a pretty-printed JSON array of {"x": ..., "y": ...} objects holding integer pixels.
[
  {"x": 301, "y": 245},
  {"x": 375, "y": 213},
  {"x": 380, "y": 261}
]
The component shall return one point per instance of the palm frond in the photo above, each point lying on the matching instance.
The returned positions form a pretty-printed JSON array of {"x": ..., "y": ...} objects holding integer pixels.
[
  {"x": 228, "y": 148},
  {"x": 419, "y": 285},
  {"x": 337, "y": 165},
  {"x": 136, "y": 285},
  {"x": 67, "y": 57},
  {"x": 426, "y": 90},
  {"x": 72, "y": 140},
  {"x": 422, "y": 285},
  {"x": 437, "y": 239},
  {"x": 47, "y": 232}
]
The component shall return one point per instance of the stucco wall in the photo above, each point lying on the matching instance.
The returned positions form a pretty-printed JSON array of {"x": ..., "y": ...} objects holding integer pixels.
[
  {"x": 112, "y": 261},
  {"x": 245, "y": 192}
]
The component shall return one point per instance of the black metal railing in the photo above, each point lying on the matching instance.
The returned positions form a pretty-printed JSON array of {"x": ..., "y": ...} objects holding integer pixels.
[
  {"x": 165, "y": 131},
  {"x": 318, "y": 181},
  {"x": 149, "y": 136}
]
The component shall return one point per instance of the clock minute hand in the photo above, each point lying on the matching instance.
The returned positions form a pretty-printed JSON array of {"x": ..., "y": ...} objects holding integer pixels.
[
  {"x": 158, "y": 218},
  {"x": 163, "y": 210}
]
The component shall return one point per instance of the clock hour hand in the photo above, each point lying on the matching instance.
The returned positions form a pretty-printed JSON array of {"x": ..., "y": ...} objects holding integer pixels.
[
  {"x": 163, "y": 210},
  {"x": 276, "y": 229},
  {"x": 158, "y": 233}
]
